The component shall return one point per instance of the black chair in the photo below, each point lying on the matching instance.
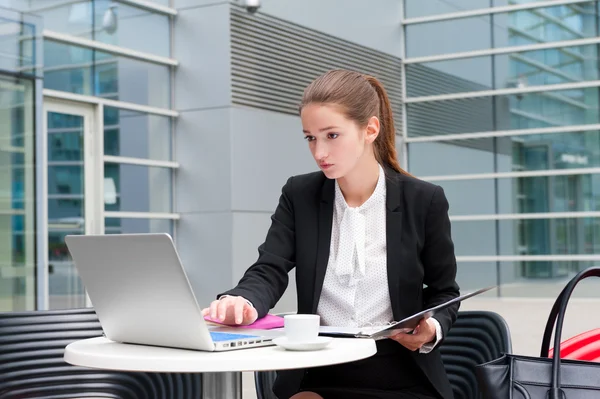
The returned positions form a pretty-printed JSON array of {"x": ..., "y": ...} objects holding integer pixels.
[
  {"x": 31, "y": 362},
  {"x": 476, "y": 337}
]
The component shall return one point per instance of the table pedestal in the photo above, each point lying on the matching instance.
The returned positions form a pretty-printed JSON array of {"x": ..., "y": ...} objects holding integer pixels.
[{"x": 222, "y": 385}]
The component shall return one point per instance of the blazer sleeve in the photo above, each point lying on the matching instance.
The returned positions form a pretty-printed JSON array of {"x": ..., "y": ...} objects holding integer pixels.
[
  {"x": 266, "y": 280},
  {"x": 439, "y": 261}
]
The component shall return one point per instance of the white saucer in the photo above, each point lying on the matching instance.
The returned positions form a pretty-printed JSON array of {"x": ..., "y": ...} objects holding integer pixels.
[{"x": 314, "y": 345}]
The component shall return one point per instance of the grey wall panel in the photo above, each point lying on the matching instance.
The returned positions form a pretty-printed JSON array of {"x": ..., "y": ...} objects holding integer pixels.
[
  {"x": 273, "y": 60},
  {"x": 202, "y": 46},
  {"x": 203, "y": 181},
  {"x": 266, "y": 149},
  {"x": 204, "y": 244},
  {"x": 249, "y": 231},
  {"x": 357, "y": 21}
]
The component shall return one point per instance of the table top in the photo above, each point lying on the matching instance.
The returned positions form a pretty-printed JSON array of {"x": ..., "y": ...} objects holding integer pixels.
[{"x": 103, "y": 353}]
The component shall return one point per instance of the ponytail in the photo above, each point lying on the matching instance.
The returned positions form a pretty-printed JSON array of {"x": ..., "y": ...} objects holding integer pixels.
[{"x": 385, "y": 143}]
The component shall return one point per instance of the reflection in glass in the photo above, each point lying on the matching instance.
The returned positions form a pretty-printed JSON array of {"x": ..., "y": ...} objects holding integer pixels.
[
  {"x": 18, "y": 42},
  {"x": 419, "y": 8},
  {"x": 532, "y": 194},
  {"x": 66, "y": 206},
  {"x": 17, "y": 196},
  {"x": 522, "y": 27},
  {"x": 106, "y": 21},
  {"x": 522, "y": 282},
  {"x": 137, "y": 188},
  {"x": 136, "y": 135},
  {"x": 514, "y": 70},
  {"x": 91, "y": 72},
  {"x": 131, "y": 27},
  {"x": 525, "y": 111},
  {"x": 131, "y": 226},
  {"x": 517, "y": 153},
  {"x": 544, "y": 236}
]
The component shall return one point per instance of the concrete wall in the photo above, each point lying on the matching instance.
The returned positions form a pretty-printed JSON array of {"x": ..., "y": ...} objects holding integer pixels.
[{"x": 235, "y": 160}]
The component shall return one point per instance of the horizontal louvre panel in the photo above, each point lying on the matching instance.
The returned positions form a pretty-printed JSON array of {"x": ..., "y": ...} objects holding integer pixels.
[{"x": 273, "y": 60}]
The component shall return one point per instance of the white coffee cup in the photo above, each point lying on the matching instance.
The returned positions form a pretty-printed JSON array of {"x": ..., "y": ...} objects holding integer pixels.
[{"x": 301, "y": 327}]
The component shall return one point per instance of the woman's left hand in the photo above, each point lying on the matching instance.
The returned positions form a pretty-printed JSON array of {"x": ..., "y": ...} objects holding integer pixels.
[{"x": 422, "y": 334}]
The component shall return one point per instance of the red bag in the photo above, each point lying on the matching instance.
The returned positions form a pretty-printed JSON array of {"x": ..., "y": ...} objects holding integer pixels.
[{"x": 585, "y": 346}]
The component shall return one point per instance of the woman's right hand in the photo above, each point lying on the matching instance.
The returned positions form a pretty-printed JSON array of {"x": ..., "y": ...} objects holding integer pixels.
[{"x": 232, "y": 310}]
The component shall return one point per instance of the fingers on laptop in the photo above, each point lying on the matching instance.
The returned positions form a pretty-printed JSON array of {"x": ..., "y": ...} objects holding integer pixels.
[
  {"x": 240, "y": 304},
  {"x": 232, "y": 310}
]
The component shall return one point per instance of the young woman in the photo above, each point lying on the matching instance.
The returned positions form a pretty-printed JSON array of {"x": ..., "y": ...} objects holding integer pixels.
[{"x": 370, "y": 244}]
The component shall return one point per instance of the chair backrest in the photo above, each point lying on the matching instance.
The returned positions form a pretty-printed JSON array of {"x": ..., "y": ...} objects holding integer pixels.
[
  {"x": 476, "y": 337},
  {"x": 31, "y": 362}
]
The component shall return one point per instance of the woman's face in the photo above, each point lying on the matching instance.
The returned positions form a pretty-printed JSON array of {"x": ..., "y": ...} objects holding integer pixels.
[{"x": 337, "y": 143}]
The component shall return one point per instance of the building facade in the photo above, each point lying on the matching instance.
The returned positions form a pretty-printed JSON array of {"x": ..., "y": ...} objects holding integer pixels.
[
  {"x": 180, "y": 116},
  {"x": 505, "y": 99}
]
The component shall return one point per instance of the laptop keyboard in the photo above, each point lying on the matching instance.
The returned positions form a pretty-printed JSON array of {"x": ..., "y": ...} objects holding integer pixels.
[{"x": 221, "y": 336}]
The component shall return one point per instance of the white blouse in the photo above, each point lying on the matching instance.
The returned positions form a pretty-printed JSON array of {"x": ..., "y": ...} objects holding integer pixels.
[{"x": 355, "y": 291}]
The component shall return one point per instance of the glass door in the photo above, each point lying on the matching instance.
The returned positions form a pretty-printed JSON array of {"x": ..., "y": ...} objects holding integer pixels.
[{"x": 71, "y": 194}]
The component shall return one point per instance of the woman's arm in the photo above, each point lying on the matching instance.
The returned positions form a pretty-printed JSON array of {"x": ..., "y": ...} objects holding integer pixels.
[
  {"x": 266, "y": 280},
  {"x": 439, "y": 261}
]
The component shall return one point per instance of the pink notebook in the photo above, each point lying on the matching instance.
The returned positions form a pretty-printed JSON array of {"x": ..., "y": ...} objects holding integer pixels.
[{"x": 266, "y": 323}]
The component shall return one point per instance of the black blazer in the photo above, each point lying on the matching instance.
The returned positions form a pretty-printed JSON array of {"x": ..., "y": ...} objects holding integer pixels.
[{"x": 420, "y": 258}]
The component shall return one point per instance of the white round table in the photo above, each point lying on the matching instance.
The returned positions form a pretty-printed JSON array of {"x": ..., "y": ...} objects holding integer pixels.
[{"x": 103, "y": 353}]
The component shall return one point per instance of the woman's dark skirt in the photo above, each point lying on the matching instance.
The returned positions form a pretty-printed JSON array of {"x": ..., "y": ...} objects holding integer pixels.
[{"x": 390, "y": 374}]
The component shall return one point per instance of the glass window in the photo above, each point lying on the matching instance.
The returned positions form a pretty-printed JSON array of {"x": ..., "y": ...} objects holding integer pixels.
[
  {"x": 161, "y": 2},
  {"x": 523, "y": 194},
  {"x": 17, "y": 196},
  {"x": 446, "y": 77},
  {"x": 135, "y": 188},
  {"x": 571, "y": 193},
  {"x": 18, "y": 43},
  {"x": 107, "y": 21},
  {"x": 538, "y": 25},
  {"x": 515, "y": 70},
  {"x": 521, "y": 111},
  {"x": 448, "y": 36},
  {"x": 136, "y": 135},
  {"x": 518, "y": 153},
  {"x": 131, "y": 226},
  {"x": 419, "y": 8},
  {"x": 539, "y": 279},
  {"x": 567, "y": 236},
  {"x": 85, "y": 71},
  {"x": 131, "y": 27}
]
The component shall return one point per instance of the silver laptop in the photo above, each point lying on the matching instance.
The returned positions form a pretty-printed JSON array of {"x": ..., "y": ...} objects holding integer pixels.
[{"x": 141, "y": 294}]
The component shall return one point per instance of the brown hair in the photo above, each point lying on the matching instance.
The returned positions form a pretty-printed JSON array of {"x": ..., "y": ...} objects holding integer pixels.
[{"x": 360, "y": 97}]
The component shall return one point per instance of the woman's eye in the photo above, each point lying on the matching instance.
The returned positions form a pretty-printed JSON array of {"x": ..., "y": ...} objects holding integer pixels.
[
  {"x": 309, "y": 138},
  {"x": 332, "y": 135}
]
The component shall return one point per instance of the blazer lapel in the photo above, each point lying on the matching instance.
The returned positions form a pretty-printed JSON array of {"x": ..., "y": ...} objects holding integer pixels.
[
  {"x": 324, "y": 238},
  {"x": 394, "y": 238}
]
